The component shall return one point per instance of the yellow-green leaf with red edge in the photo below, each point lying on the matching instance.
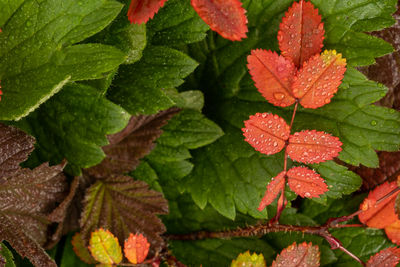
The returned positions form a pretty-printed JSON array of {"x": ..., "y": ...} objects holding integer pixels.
[
  {"x": 226, "y": 17},
  {"x": 266, "y": 132},
  {"x": 140, "y": 11},
  {"x": 389, "y": 257},
  {"x": 249, "y": 260},
  {"x": 78, "y": 245},
  {"x": 273, "y": 76},
  {"x": 104, "y": 247},
  {"x": 298, "y": 255},
  {"x": 313, "y": 146},
  {"x": 136, "y": 248},
  {"x": 306, "y": 182},
  {"x": 319, "y": 79},
  {"x": 276, "y": 186},
  {"x": 301, "y": 32},
  {"x": 381, "y": 215}
]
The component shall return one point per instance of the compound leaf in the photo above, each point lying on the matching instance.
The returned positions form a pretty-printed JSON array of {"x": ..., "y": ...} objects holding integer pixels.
[
  {"x": 389, "y": 257},
  {"x": 306, "y": 182},
  {"x": 275, "y": 187},
  {"x": 298, "y": 255}
]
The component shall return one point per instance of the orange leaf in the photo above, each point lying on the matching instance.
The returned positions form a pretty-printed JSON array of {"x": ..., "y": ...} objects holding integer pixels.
[
  {"x": 140, "y": 11},
  {"x": 78, "y": 245},
  {"x": 301, "y": 32},
  {"x": 227, "y": 17},
  {"x": 266, "y": 132},
  {"x": 273, "y": 189},
  {"x": 298, "y": 255},
  {"x": 388, "y": 257},
  {"x": 306, "y": 182},
  {"x": 383, "y": 214},
  {"x": 393, "y": 232},
  {"x": 273, "y": 76},
  {"x": 313, "y": 146},
  {"x": 136, "y": 248},
  {"x": 319, "y": 79}
]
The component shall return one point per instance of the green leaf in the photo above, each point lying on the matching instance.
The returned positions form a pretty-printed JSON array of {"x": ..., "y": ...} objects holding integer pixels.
[
  {"x": 6, "y": 256},
  {"x": 105, "y": 247},
  {"x": 193, "y": 99},
  {"x": 74, "y": 125},
  {"x": 249, "y": 260},
  {"x": 36, "y": 59},
  {"x": 140, "y": 87},
  {"x": 7, "y": 8},
  {"x": 177, "y": 23},
  {"x": 218, "y": 252}
]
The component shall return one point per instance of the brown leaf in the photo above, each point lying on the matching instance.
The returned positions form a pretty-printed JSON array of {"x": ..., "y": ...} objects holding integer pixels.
[
  {"x": 123, "y": 205},
  {"x": 127, "y": 147}
]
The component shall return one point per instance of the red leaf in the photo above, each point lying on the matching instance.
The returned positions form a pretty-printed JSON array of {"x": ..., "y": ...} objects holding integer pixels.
[
  {"x": 298, "y": 255},
  {"x": 273, "y": 76},
  {"x": 266, "y": 132},
  {"x": 319, "y": 79},
  {"x": 226, "y": 17},
  {"x": 140, "y": 11},
  {"x": 306, "y": 182},
  {"x": 381, "y": 215},
  {"x": 388, "y": 257},
  {"x": 393, "y": 232},
  {"x": 301, "y": 32},
  {"x": 136, "y": 248},
  {"x": 313, "y": 146},
  {"x": 273, "y": 189}
]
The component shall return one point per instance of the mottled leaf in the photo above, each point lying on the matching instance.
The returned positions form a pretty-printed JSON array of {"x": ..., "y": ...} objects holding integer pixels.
[
  {"x": 273, "y": 76},
  {"x": 134, "y": 142},
  {"x": 136, "y": 248},
  {"x": 275, "y": 187},
  {"x": 313, "y": 146},
  {"x": 381, "y": 215},
  {"x": 140, "y": 11},
  {"x": 266, "y": 132},
  {"x": 225, "y": 17},
  {"x": 249, "y": 260},
  {"x": 6, "y": 256},
  {"x": 389, "y": 257},
  {"x": 306, "y": 182},
  {"x": 124, "y": 206},
  {"x": 105, "y": 247},
  {"x": 319, "y": 79},
  {"x": 303, "y": 254},
  {"x": 301, "y": 32},
  {"x": 78, "y": 245}
]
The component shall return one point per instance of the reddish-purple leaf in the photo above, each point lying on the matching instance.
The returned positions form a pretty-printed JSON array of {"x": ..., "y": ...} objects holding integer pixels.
[
  {"x": 273, "y": 76},
  {"x": 304, "y": 255},
  {"x": 389, "y": 257},
  {"x": 273, "y": 189},
  {"x": 313, "y": 146},
  {"x": 319, "y": 79},
  {"x": 301, "y": 32},
  {"x": 306, "y": 182},
  {"x": 226, "y": 17},
  {"x": 266, "y": 132},
  {"x": 140, "y": 11}
]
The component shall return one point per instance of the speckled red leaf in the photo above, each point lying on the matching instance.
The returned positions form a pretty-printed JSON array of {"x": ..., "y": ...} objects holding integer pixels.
[
  {"x": 226, "y": 17},
  {"x": 136, "y": 248},
  {"x": 388, "y": 258},
  {"x": 273, "y": 76},
  {"x": 393, "y": 232},
  {"x": 304, "y": 254},
  {"x": 306, "y": 182},
  {"x": 301, "y": 32},
  {"x": 273, "y": 189},
  {"x": 313, "y": 146},
  {"x": 381, "y": 215},
  {"x": 319, "y": 79},
  {"x": 266, "y": 132},
  {"x": 140, "y": 11},
  {"x": 134, "y": 142}
]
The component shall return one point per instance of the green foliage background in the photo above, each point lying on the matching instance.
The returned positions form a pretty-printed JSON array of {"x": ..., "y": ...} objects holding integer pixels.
[{"x": 73, "y": 72}]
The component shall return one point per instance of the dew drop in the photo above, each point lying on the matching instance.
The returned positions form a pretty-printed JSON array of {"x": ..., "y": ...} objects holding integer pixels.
[
  {"x": 374, "y": 123},
  {"x": 279, "y": 96}
]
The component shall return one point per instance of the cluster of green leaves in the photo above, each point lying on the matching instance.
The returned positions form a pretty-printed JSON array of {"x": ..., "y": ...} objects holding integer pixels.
[{"x": 74, "y": 72}]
